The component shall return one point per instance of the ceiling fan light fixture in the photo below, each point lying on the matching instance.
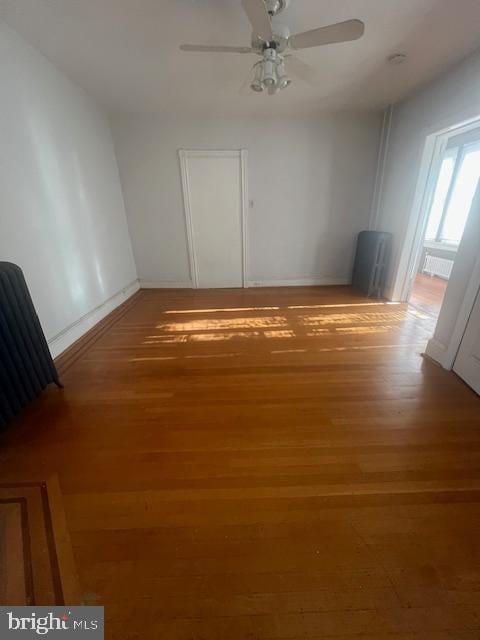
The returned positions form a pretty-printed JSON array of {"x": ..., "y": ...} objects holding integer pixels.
[
  {"x": 269, "y": 74},
  {"x": 282, "y": 79},
  {"x": 269, "y": 81},
  {"x": 276, "y": 6},
  {"x": 270, "y": 40},
  {"x": 257, "y": 84}
]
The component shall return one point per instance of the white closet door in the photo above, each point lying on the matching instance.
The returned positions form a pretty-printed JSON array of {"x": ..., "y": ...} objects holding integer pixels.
[
  {"x": 467, "y": 363},
  {"x": 213, "y": 181}
]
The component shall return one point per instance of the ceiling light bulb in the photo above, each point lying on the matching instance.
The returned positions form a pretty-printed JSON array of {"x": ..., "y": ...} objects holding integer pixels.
[
  {"x": 257, "y": 84},
  {"x": 283, "y": 80},
  {"x": 269, "y": 75}
]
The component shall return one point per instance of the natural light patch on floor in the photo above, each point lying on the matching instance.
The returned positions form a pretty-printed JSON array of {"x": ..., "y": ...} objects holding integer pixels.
[
  {"x": 286, "y": 333},
  {"x": 334, "y": 306},
  {"x": 351, "y": 318},
  {"x": 226, "y": 310},
  {"x": 222, "y": 324},
  {"x": 319, "y": 321},
  {"x": 212, "y": 355},
  {"x": 152, "y": 358},
  {"x": 291, "y": 307},
  {"x": 371, "y": 347},
  {"x": 417, "y": 314},
  {"x": 365, "y": 330},
  {"x": 280, "y": 351},
  {"x": 166, "y": 339},
  {"x": 215, "y": 337},
  {"x": 281, "y": 327}
]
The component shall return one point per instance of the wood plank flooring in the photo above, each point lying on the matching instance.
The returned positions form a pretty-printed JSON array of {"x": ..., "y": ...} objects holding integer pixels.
[
  {"x": 265, "y": 464},
  {"x": 428, "y": 293},
  {"x": 36, "y": 562}
]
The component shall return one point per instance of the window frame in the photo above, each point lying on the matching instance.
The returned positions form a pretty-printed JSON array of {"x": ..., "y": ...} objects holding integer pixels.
[
  {"x": 456, "y": 169},
  {"x": 462, "y": 150}
]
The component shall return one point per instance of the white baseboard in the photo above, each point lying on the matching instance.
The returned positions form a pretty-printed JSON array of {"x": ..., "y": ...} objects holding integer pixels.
[
  {"x": 302, "y": 282},
  {"x": 77, "y": 329},
  {"x": 437, "y": 351},
  {"x": 165, "y": 284}
]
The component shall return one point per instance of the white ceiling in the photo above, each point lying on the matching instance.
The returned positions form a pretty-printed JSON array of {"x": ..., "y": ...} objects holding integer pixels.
[{"x": 125, "y": 52}]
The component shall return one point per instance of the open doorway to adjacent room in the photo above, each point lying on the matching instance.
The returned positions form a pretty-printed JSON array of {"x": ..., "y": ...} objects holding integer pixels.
[{"x": 450, "y": 189}]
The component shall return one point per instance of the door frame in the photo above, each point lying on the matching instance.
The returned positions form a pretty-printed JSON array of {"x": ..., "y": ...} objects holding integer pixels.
[
  {"x": 242, "y": 155},
  {"x": 434, "y": 148},
  {"x": 463, "y": 317}
]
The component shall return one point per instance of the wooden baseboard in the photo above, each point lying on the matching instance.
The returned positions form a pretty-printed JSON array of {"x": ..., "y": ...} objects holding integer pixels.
[{"x": 65, "y": 360}]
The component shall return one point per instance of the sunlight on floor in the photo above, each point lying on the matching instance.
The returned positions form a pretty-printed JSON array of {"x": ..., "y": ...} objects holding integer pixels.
[
  {"x": 365, "y": 330},
  {"x": 352, "y": 318},
  {"x": 378, "y": 318},
  {"x": 233, "y": 323},
  {"x": 226, "y": 310},
  {"x": 212, "y": 337},
  {"x": 334, "y": 306}
]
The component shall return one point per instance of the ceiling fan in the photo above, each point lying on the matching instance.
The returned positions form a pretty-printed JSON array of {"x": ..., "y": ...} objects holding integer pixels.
[{"x": 270, "y": 42}]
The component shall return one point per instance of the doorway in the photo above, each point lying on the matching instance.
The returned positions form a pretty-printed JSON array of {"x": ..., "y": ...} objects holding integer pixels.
[
  {"x": 452, "y": 184},
  {"x": 215, "y": 198}
]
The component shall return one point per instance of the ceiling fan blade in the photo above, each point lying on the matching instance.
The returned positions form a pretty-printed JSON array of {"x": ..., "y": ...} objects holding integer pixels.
[
  {"x": 259, "y": 17},
  {"x": 300, "y": 69},
  {"x": 205, "y": 48},
  {"x": 340, "y": 32}
]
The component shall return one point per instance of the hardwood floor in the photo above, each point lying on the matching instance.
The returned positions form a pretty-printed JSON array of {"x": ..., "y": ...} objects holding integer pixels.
[
  {"x": 428, "y": 293},
  {"x": 266, "y": 463},
  {"x": 36, "y": 562}
]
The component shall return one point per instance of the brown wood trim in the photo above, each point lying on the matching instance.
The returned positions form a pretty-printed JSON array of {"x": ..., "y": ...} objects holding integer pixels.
[
  {"x": 65, "y": 360},
  {"x": 26, "y": 545},
  {"x": 52, "y": 551},
  {"x": 62, "y": 545},
  {"x": 62, "y": 565}
]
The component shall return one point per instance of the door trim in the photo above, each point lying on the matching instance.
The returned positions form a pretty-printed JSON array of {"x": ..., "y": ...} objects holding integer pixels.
[
  {"x": 409, "y": 255},
  {"x": 427, "y": 182},
  {"x": 463, "y": 317},
  {"x": 242, "y": 155},
  {"x": 446, "y": 354}
]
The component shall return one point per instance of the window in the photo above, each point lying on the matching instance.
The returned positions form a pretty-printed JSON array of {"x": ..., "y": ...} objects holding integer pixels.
[
  {"x": 457, "y": 181},
  {"x": 441, "y": 192}
]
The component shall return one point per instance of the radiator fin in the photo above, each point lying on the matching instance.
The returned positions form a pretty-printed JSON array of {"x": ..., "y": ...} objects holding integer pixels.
[{"x": 26, "y": 366}]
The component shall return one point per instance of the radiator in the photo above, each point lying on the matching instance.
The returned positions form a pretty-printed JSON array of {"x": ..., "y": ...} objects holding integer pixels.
[
  {"x": 435, "y": 266},
  {"x": 371, "y": 262},
  {"x": 26, "y": 366}
]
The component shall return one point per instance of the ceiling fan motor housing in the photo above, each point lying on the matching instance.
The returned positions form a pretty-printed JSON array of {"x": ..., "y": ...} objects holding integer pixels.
[
  {"x": 276, "y": 6},
  {"x": 281, "y": 34}
]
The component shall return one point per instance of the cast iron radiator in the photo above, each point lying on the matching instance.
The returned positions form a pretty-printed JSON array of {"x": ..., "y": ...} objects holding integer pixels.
[
  {"x": 26, "y": 366},
  {"x": 371, "y": 262}
]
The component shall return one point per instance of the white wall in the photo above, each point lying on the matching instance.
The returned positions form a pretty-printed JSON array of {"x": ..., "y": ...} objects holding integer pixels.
[
  {"x": 62, "y": 215},
  {"x": 451, "y": 99},
  {"x": 311, "y": 181}
]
